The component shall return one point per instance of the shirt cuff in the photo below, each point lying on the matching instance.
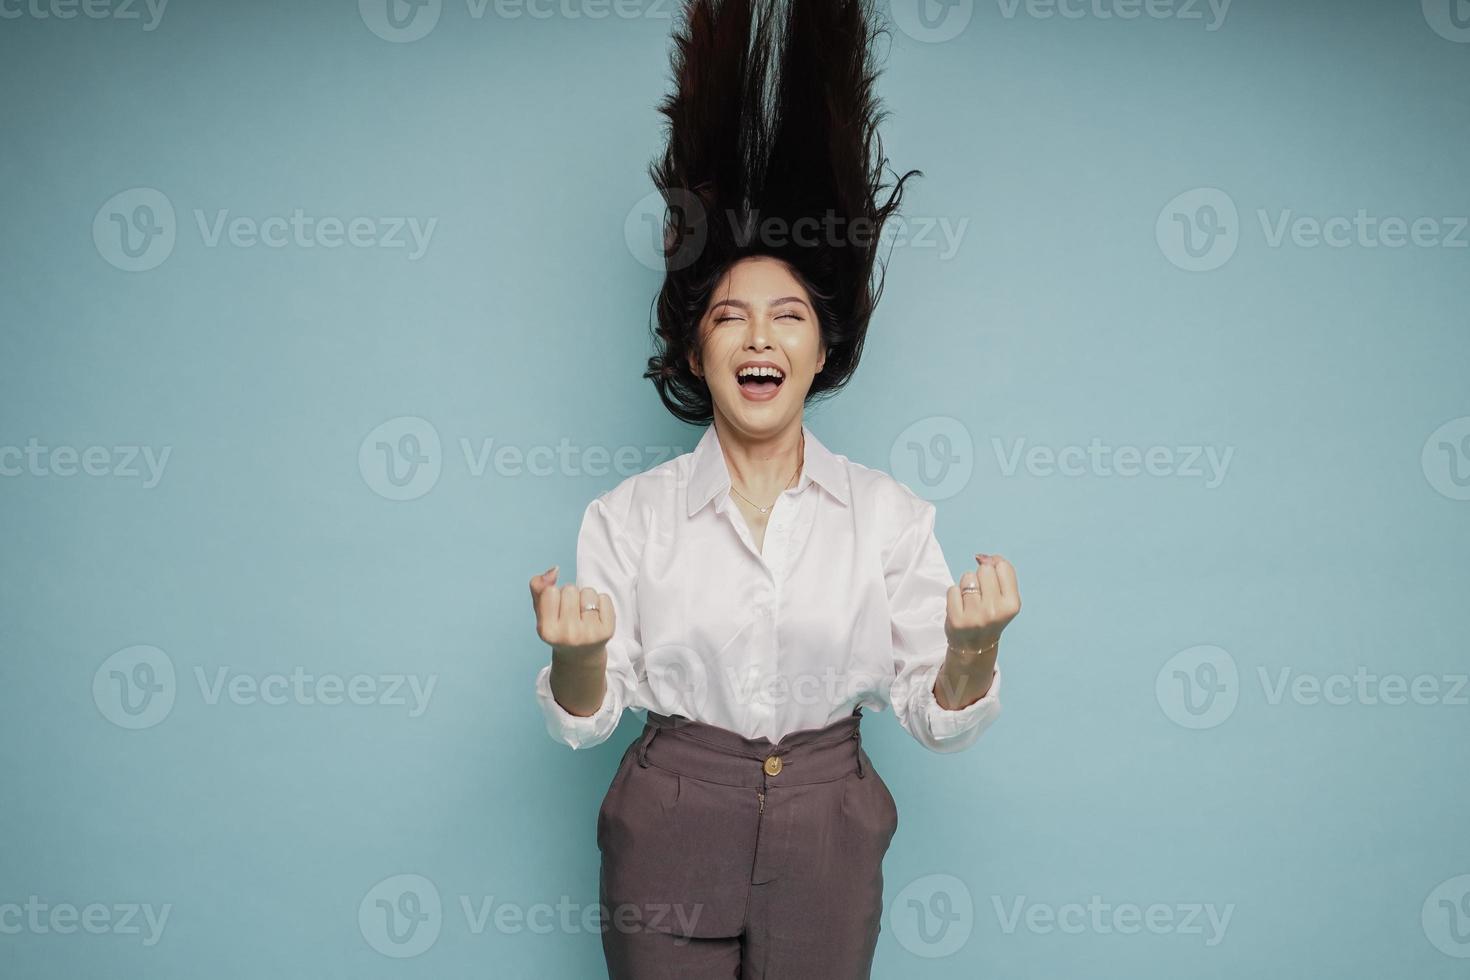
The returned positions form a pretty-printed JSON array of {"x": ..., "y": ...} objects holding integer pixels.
[
  {"x": 578, "y": 731},
  {"x": 946, "y": 724}
]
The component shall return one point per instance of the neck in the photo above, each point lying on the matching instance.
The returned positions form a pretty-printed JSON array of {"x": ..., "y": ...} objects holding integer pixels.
[{"x": 761, "y": 466}]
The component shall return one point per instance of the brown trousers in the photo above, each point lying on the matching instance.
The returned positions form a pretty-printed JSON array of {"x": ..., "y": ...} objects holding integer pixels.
[{"x": 735, "y": 858}]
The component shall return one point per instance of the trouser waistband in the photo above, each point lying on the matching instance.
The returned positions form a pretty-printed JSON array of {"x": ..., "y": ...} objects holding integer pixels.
[{"x": 718, "y": 755}]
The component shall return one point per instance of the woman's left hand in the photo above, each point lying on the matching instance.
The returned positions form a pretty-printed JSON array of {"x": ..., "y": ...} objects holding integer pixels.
[{"x": 975, "y": 619}]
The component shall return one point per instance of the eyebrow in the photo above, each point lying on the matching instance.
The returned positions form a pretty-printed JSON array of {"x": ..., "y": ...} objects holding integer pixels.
[{"x": 741, "y": 304}]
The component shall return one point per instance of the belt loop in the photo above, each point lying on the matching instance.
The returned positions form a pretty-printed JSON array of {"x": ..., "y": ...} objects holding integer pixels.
[{"x": 649, "y": 731}]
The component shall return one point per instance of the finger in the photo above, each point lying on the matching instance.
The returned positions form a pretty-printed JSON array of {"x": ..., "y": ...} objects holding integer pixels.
[
  {"x": 1005, "y": 573},
  {"x": 606, "y": 612},
  {"x": 548, "y": 599},
  {"x": 969, "y": 594},
  {"x": 539, "y": 583},
  {"x": 989, "y": 585},
  {"x": 588, "y": 597},
  {"x": 956, "y": 604},
  {"x": 568, "y": 612}
]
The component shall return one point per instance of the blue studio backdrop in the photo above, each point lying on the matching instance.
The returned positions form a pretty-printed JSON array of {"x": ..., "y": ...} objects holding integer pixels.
[{"x": 322, "y": 322}]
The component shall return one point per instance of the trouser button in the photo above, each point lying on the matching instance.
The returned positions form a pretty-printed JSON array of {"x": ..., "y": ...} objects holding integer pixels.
[{"x": 773, "y": 765}]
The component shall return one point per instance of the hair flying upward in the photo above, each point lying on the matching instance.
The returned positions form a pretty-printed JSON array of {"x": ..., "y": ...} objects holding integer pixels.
[{"x": 773, "y": 149}]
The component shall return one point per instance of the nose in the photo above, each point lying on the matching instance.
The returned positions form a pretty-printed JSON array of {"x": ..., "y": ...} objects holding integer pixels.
[{"x": 757, "y": 333}]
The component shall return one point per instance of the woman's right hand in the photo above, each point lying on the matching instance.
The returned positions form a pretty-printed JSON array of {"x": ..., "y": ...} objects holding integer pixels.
[{"x": 560, "y": 620}]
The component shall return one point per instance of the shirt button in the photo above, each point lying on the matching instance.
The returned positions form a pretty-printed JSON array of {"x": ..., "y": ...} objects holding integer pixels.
[{"x": 773, "y": 765}]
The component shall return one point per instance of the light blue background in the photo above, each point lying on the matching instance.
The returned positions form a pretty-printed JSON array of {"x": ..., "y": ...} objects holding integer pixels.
[{"x": 1332, "y": 542}]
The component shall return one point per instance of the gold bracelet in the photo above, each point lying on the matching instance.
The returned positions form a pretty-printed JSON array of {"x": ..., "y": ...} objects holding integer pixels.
[{"x": 974, "y": 653}]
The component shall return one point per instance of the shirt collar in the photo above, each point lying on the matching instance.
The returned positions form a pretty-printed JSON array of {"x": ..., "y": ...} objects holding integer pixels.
[{"x": 709, "y": 475}]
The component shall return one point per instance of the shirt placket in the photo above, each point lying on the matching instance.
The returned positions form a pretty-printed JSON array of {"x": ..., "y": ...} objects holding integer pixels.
[
  {"x": 773, "y": 557},
  {"x": 768, "y": 595}
]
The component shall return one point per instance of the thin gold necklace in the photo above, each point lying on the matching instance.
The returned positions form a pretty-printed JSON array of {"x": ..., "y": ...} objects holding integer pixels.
[{"x": 800, "y": 457}]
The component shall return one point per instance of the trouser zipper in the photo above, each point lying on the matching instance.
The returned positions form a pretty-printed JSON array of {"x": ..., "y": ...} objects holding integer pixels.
[{"x": 762, "y": 798}]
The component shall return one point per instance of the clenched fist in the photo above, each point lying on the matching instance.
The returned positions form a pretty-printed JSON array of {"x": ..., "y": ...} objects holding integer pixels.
[
  {"x": 982, "y": 604},
  {"x": 572, "y": 620}
]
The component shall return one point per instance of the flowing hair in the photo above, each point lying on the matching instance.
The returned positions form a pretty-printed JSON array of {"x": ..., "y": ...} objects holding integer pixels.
[{"x": 772, "y": 149}]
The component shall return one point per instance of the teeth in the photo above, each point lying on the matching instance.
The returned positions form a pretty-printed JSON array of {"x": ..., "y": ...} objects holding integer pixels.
[{"x": 760, "y": 372}]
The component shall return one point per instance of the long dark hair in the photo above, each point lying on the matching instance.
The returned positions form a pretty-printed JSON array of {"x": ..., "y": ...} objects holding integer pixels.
[{"x": 772, "y": 126}]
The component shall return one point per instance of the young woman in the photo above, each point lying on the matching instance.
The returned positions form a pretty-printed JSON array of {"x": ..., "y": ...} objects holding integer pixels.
[{"x": 753, "y": 596}]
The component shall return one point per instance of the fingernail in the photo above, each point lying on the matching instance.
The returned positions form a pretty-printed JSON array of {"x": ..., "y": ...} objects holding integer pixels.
[{"x": 553, "y": 568}]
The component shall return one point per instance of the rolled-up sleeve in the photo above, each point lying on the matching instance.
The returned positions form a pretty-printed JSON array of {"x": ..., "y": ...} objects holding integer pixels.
[
  {"x": 606, "y": 562},
  {"x": 918, "y": 580}
]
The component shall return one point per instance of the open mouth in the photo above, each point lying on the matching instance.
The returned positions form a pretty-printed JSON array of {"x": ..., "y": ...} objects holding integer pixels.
[{"x": 760, "y": 380}]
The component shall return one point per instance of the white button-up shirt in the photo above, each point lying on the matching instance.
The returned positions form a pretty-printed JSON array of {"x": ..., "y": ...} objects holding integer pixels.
[{"x": 843, "y": 604}]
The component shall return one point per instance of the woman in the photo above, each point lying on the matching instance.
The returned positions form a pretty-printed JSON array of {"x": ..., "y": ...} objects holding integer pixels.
[{"x": 755, "y": 595}]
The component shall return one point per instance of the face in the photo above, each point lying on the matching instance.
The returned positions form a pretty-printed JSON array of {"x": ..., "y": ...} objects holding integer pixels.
[{"x": 759, "y": 313}]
